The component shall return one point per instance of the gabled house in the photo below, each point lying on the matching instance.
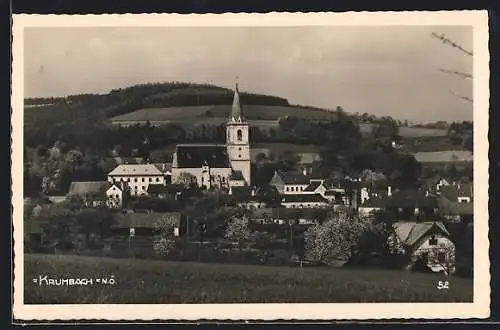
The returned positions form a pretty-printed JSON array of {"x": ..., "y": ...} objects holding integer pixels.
[
  {"x": 372, "y": 205},
  {"x": 144, "y": 224},
  {"x": 290, "y": 182},
  {"x": 93, "y": 193},
  {"x": 458, "y": 192},
  {"x": 166, "y": 191},
  {"x": 117, "y": 194},
  {"x": 248, "y": 197},
  {"x": 412, "y": 205},
  {"x": 428, "y": 245}
]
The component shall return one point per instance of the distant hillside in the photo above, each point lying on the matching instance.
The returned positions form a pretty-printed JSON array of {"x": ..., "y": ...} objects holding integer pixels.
[{"x": 169, "y": 96}]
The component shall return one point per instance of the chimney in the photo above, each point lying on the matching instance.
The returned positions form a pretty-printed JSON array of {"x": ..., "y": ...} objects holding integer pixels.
[{"x": 389, "y": 191}]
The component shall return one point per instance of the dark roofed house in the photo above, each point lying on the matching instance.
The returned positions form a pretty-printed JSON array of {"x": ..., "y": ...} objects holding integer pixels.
[
  {"x": 144, "y": 223},
  {"x": 459, "y": 192},
  {"x": 93, "y": 193},
  {"x": 164, "y": 191},
  {"x": 412, "y": 204},
  {"x": 195, "y": 156}
]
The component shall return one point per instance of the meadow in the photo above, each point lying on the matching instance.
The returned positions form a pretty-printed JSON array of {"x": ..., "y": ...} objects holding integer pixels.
[
  {"x": 155, "y": 282},
  {"x": 416, "y": 132},
  {"x": 253, "y": 112}
]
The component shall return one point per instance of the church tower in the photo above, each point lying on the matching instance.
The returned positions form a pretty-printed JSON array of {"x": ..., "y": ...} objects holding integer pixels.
[{"x": 238, "y": 139}]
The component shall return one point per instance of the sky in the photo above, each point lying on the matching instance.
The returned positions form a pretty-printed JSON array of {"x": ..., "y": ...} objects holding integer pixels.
[{"x": 382, "y": 70}]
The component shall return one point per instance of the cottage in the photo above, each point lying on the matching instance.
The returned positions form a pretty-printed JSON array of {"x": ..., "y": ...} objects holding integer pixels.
[
  {"x": 290, "y": 182},
  {"x": 144, "y": 224},
  {"x": 93, "y": 193},
  {"x": 427, "y": 243}
]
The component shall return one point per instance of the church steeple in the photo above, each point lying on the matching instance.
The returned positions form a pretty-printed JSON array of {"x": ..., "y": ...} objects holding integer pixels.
[{"x": 236, "y": 114}]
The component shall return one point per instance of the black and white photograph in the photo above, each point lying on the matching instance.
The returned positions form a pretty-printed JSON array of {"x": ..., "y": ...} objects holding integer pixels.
[{"x": 251, "y": 166}]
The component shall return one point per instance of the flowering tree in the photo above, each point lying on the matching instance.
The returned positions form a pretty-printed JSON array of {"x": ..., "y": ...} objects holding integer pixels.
[
  {"x": 335, "y": 239},
  {"x": 237, "y": 230},
  {"x": 164, "y": 239}
]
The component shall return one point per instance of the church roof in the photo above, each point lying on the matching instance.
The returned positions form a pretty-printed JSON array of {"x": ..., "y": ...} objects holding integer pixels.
[
  {"x": 195, "y": 155},
  {"x": 236, "y": 113}
]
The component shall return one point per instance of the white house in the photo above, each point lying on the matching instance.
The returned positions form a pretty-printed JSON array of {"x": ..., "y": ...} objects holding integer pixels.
[
  {"x": 429, "y": 242},
  {"x": 116, "y": 194},
  {"x": 304, "y": 201},
  {"x": 137, "y": 176}
]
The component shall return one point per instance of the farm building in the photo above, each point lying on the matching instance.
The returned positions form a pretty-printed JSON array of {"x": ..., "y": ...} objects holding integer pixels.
[{"x": 428, "y": 244}]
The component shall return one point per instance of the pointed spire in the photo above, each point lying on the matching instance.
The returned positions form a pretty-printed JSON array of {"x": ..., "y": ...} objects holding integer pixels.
[{"x": 236, "y": 114}]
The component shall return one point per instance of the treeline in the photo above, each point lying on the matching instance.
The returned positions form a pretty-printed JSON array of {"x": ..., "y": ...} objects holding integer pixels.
[{"x": 125, "y": 100}]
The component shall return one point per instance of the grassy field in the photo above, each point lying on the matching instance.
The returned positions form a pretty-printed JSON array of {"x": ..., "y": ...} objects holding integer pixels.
[
  {"x": 253, "y": 112},
  {"x": 415, "y": 132},
  {"x": 147, "y": 281}
]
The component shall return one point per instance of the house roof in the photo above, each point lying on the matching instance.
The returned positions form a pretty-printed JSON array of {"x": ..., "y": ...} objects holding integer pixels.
[
  {"x": 312, "y": 186},
  {"x": 143, "y": 220},
  {"x": 410, "y": 233},
  {"x": 244, "y": 192},
  {"x": 237, "y": 175},
  {"x": 453, "y": 192},
  {"x": 163, "y": 167},
  {"x": 161, "y": 189},
  {"x": 411, "y": 198},
  {"x": 87, "y": 187},
  {"x": 195, "y": 155},
  {"x": 135, "y": 169},
  {"x": 303, "y": 198},
  {"x": 293, "y": 177},
  {"x": 447, "y": 207}
]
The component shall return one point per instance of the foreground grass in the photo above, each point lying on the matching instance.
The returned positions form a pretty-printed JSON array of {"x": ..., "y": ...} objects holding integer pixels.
[{"x": 145, "y": 281}]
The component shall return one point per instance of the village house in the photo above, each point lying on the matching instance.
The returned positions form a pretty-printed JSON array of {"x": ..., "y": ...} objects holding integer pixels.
[
  {"x": 144, "y": 224},
  {"x": 301, "y": 189},
  {"x": 99, "y": 193},
  {"x": 247, "y": 197},
  {"x": 137, "y": 176},
  {"x": 427, "y": 243}
]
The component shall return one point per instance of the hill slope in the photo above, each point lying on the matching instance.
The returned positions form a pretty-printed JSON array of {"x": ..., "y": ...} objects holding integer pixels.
[{"x": 177, "y": 99}]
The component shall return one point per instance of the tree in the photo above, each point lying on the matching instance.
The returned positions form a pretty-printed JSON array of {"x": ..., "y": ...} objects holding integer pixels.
[
  {"x": 164, "y": 238},
  {"x": 186, "y": 179},
  {"x": 335, "y": 239},
  {"x": 237, "y": 230}
]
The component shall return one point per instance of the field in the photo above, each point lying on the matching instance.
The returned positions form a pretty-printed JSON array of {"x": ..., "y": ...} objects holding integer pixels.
[
  {"x": 415, "y": 132},
  {"x": 253, "y": 112},
  {"x": 145, "y": 281}
]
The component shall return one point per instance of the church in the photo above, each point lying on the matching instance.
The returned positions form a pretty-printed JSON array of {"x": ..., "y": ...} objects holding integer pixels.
[{"x": 217, "y": 165}]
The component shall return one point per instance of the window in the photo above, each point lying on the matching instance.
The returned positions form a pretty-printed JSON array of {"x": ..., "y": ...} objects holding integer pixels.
[
  {"x": 287, "y": 189},
  {"x": 117, "y": 196},
  {"x": 142, "y": 187},
  {"x": 135, "y": 180},
  {"x": 433, "y": 241},
  {"x": 142, "y": 179},
  {"x": 239, "y": 149},
  {"x": 157, "y": 179},
  {"x": 239, "y": 156},
  {"x": 150, "y": 179},
  {"x": 240, "y": 135},
  {"x": 441, "y": 257}
]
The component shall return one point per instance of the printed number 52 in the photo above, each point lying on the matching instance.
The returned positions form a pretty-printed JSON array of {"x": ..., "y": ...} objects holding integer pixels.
[{"x": 443, "y": 285}]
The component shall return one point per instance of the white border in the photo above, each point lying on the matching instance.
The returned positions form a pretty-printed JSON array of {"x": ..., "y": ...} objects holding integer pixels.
[{"x": 478, "y": 309}]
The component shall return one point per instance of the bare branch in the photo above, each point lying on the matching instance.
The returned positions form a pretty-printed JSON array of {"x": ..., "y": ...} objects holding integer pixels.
[
  {"x": 461, "y": 74},
  {"x": 445, "y": 40}
]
